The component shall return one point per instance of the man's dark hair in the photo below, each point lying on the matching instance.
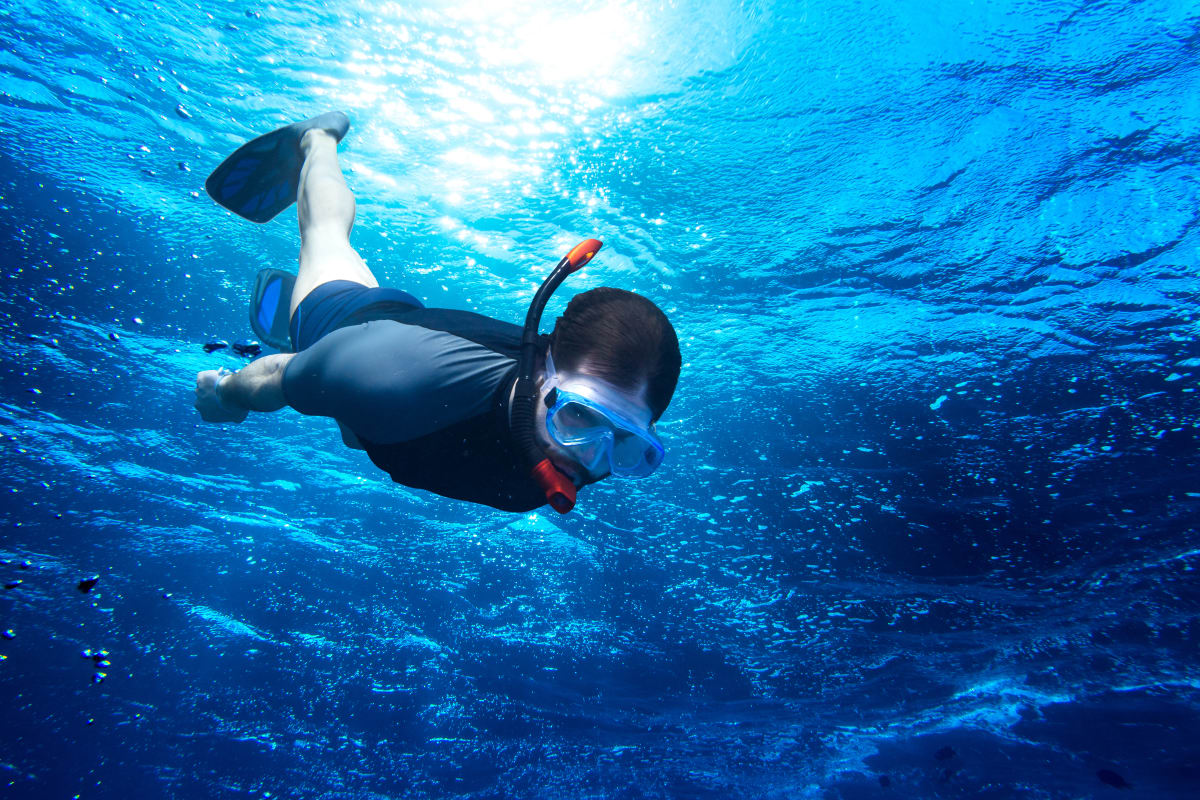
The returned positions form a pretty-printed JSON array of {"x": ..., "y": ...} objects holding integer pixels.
[{"x": 622, "y": 338}]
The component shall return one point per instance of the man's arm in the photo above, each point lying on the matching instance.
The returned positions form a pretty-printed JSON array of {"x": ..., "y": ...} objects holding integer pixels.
[{"x": 223, "y": 396}]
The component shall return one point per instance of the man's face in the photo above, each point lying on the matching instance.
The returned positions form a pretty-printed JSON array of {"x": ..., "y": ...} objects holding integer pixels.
[{"x": 562, "y": 457}]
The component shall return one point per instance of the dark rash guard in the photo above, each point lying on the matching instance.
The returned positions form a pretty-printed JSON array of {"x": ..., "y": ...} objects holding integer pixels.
[{"x": 426, "y": 391}]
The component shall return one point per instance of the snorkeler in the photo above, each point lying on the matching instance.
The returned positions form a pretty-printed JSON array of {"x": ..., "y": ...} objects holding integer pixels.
[{"x": 450, "y": 401}]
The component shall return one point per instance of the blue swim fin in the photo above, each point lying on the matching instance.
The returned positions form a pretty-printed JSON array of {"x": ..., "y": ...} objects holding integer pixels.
[
  {"x": 261, "y": 177},
  {"x": 269, "y": 307}
]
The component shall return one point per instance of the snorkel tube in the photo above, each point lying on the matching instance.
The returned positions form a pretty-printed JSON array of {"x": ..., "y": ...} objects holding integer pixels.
[{"x": 560, "y": 491}]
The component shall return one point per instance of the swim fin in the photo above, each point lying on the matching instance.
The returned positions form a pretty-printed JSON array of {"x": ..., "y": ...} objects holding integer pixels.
[
  {"x": 261, "y": 177},
  {"x": 269, "y": 307}
]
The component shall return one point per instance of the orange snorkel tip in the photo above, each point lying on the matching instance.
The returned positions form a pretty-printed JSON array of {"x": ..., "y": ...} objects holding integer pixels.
[{"x": 583, "y": 252}]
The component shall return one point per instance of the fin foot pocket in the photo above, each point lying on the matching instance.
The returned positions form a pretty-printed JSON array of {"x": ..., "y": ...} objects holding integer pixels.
[
  {"x": 261, "y": 177},
  {"x": 269, "y": 308}
]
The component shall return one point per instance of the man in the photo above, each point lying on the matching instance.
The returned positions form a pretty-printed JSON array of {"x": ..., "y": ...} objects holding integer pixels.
[{"x": 429, "y": 394}]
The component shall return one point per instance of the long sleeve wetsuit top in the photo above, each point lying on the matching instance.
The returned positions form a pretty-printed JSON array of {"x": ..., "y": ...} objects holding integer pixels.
[{"x": 426, "y": 391}]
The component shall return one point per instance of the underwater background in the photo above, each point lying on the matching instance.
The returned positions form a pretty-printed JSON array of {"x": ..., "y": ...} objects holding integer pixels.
[{"x": 927, "y": 524}]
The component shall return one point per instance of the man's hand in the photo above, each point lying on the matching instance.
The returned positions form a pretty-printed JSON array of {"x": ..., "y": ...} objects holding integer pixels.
[{"x": 208, "y": 401}]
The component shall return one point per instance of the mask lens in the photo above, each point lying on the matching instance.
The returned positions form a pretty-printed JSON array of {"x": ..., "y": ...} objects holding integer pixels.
[
  {"x": 575, "y": 420},
  {"x": 634, "y": 455},
  {"x": 591, "y": 455},
  {"x": 628, "y": 449}
]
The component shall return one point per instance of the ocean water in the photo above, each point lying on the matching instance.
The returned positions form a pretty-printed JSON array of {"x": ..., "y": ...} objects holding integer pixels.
[{"x": 927, "y": 526}]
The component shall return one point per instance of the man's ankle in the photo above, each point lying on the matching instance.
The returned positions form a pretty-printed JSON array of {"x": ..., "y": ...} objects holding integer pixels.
[{"x": 312, "y": 136}]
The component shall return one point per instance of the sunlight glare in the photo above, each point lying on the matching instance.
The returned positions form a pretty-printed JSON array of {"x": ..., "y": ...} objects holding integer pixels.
[{"x": 562, "y": 46}]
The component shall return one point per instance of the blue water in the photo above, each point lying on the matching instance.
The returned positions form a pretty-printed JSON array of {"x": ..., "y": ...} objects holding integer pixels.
[{"x": 927, "y": 526}]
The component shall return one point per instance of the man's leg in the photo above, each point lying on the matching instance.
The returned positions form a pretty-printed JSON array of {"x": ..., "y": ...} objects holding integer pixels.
[{"x": 326, "y": 210}]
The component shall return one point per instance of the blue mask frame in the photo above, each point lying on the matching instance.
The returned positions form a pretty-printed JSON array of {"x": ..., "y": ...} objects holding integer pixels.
[{"x": 599, "y": 434}]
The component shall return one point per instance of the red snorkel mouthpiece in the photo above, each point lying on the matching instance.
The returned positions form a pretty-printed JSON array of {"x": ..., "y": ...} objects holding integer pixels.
[{"x": 560, "y": 491}]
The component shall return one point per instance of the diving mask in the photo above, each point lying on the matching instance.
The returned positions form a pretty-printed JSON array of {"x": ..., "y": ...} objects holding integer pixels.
[{"x": 600, "y": 427}]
